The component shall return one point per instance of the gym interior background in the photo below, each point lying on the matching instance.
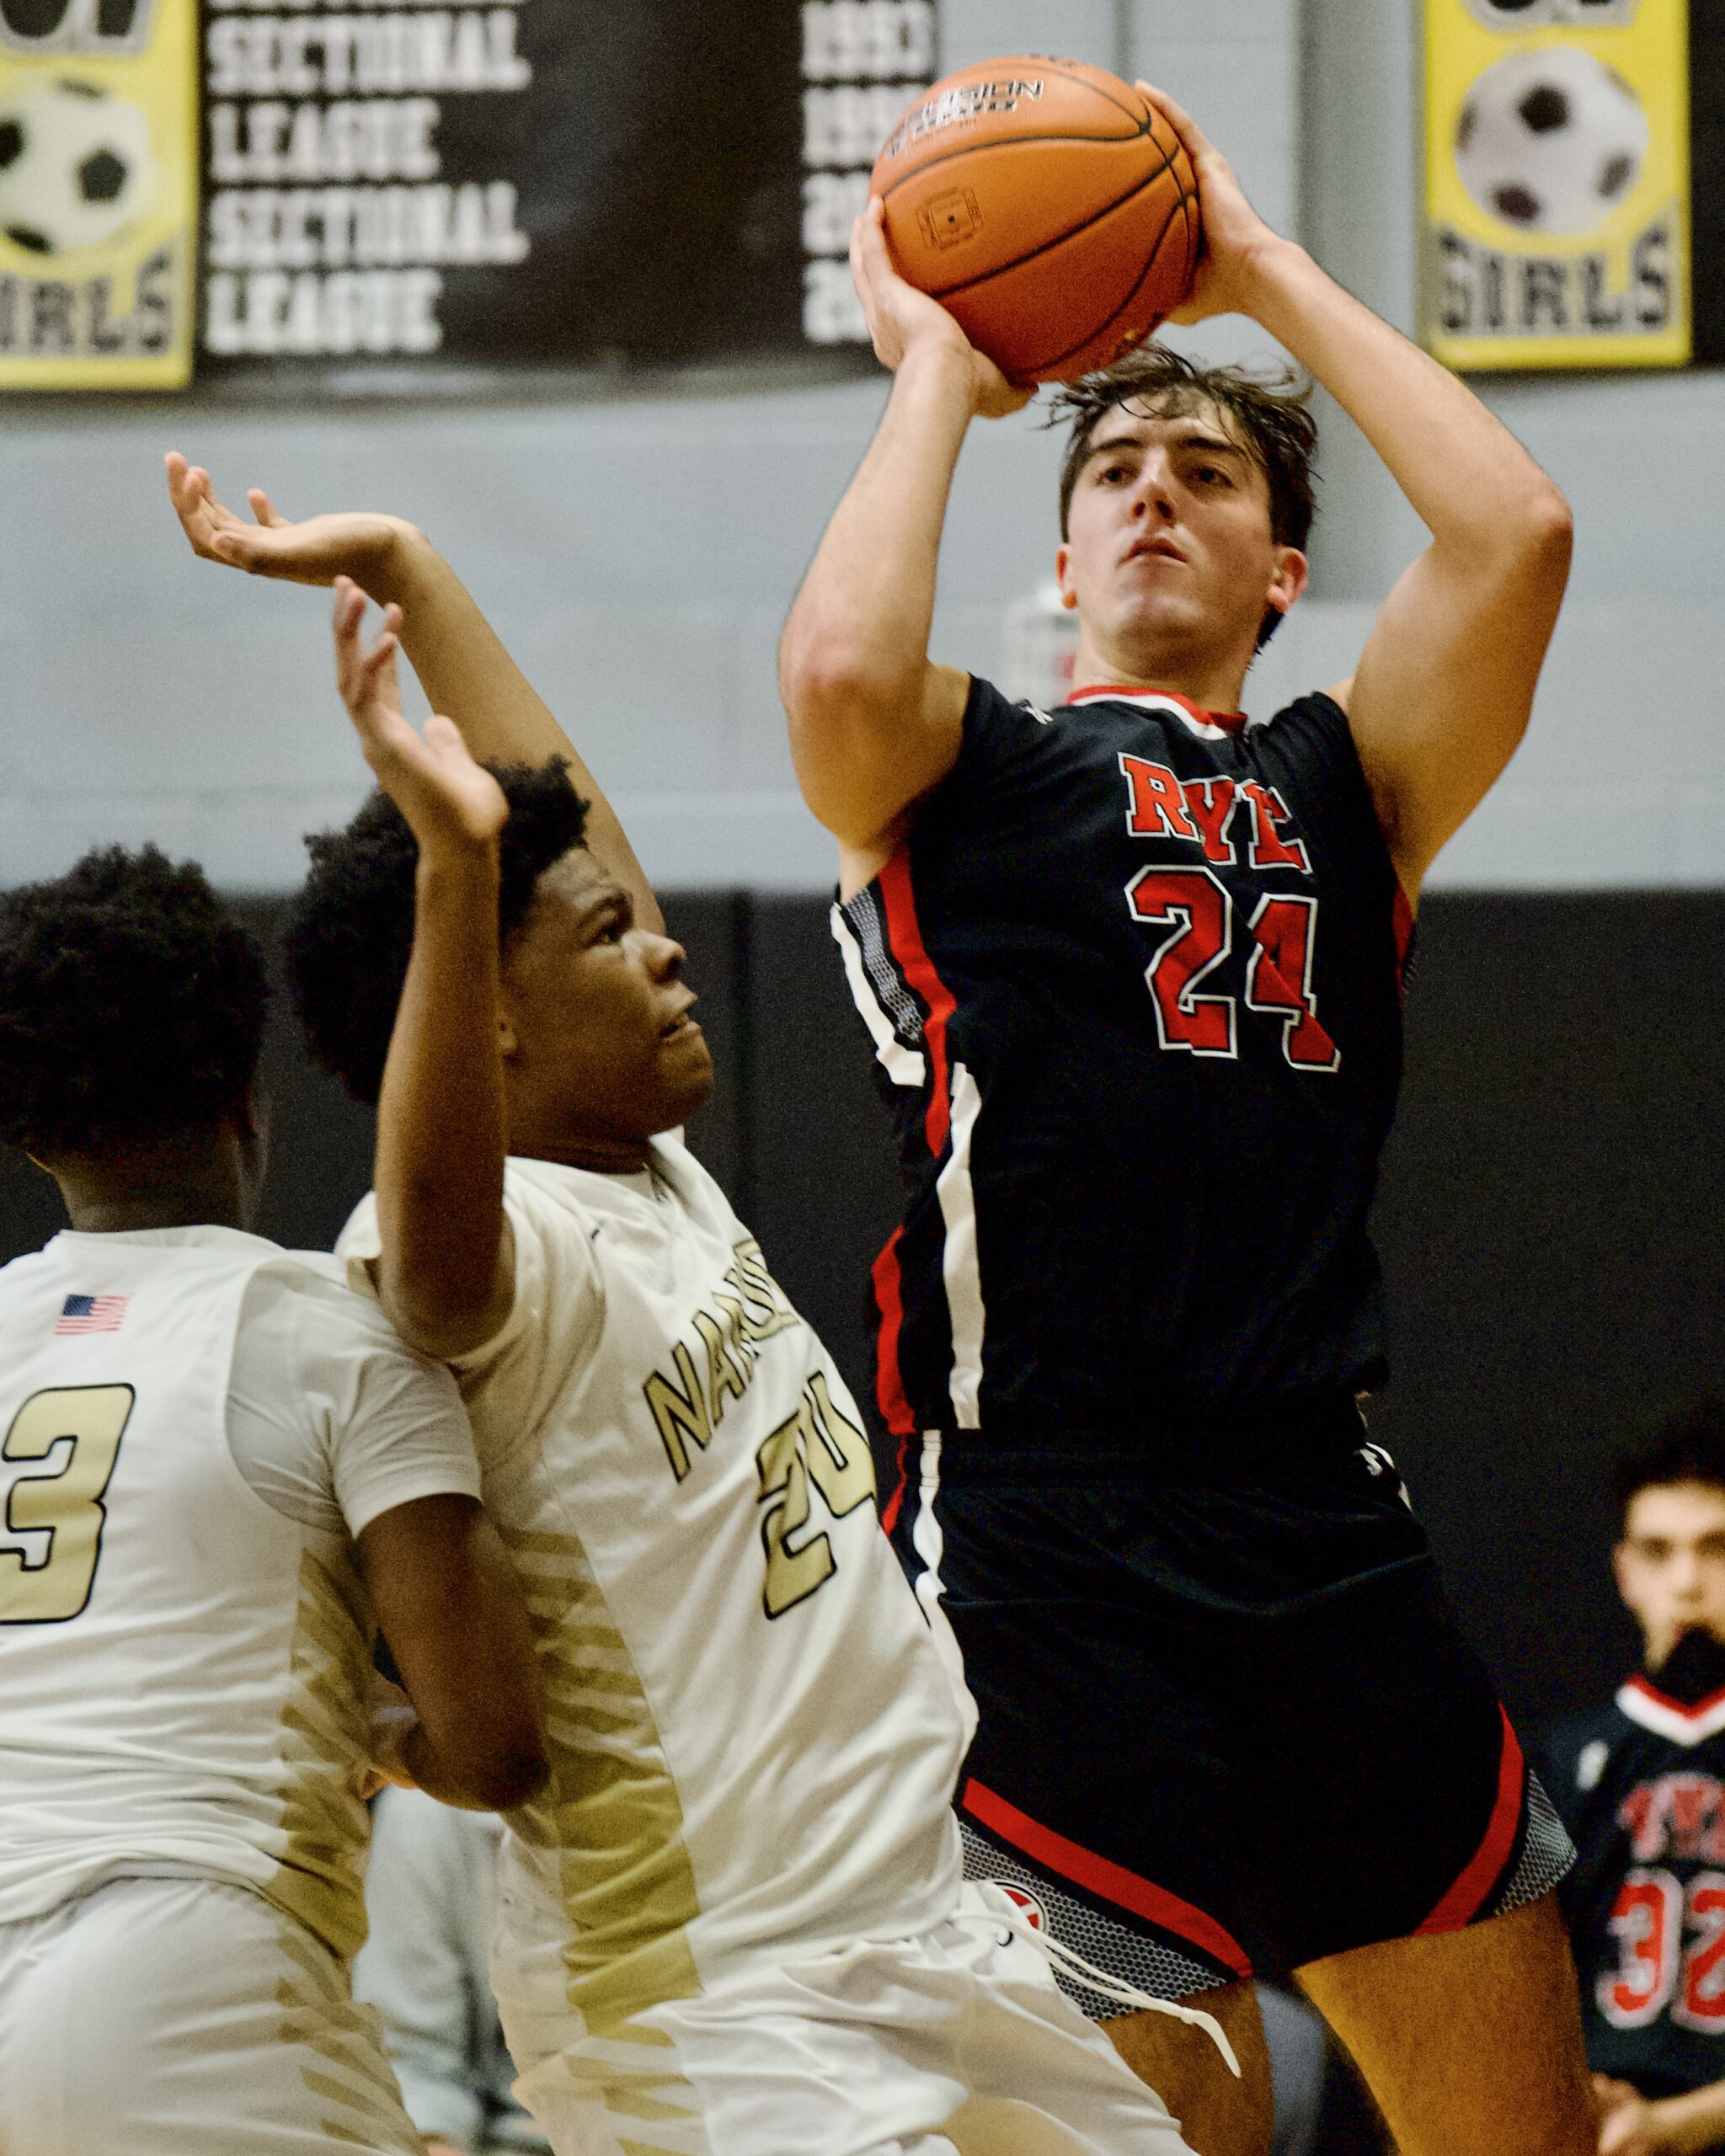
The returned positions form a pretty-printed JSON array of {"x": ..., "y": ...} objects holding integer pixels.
[{"x": 1552, "y": 1203}]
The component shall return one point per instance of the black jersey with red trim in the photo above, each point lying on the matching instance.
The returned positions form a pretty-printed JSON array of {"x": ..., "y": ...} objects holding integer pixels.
[
  {"x": 1641, "y": 1786},
  {"x": 1134, "y": 984}
]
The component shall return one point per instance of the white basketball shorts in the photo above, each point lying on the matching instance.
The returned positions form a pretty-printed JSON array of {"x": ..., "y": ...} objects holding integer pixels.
[
  {"x": 959, "y": 2040},
  {"x": 184, "y": 2017}
]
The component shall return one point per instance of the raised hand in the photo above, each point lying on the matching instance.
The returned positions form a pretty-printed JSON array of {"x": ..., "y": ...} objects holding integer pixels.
[
  {"x": 901, "y": 319},
  {"x": 451, "y": 803},
  {"x": 1235, "y": 235},
  {"x": 355, "y": 543}
]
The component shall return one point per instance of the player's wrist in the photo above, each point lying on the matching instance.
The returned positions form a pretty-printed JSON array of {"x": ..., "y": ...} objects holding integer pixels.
[
  {"x": 1265, "y": 274},
  {"x": 942, "y": 361},
  {"x": 403, "y": 568},
  {"x": 456, "y": 867}
]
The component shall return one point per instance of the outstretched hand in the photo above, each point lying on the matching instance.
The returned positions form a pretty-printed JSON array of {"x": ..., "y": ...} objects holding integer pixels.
[
  {"x": 452, "y": 804},
  {"x": 901, "y": 319},
  {"x": 1235, "y": 235},
  {"x": 355, "y": 543}
]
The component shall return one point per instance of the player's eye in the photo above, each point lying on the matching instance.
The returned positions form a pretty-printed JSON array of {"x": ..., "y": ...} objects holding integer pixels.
[{"x": 1210, "y": 475}]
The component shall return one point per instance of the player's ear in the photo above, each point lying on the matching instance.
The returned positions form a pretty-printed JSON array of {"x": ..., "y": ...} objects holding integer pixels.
[
  {"x": 1063, "y": 577},
  {"x": 1292, "y": 575}
]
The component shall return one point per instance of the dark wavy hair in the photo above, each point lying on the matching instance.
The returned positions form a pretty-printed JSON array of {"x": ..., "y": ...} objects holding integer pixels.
[
  {"x": 1270, "y": 418},
  {"x": 1686, "y": 1447},
  {"x": 132, "y": 1007},
  {"x": 352, "y": 928}
]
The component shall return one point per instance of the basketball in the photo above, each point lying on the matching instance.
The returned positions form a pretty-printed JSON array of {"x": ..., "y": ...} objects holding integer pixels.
[{"x": 1048, "y": 206}]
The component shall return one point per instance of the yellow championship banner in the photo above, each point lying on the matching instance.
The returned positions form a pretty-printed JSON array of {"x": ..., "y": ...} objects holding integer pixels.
[
  {"x": 99, "y": 193},
  {"x": 1557, "y": 183}
]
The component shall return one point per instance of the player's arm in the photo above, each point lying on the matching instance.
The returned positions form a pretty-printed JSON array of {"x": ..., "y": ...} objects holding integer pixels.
[
  {"x": 873, "y": 723},
  {"x": 445, "y": 1275},
  {"x": 462, "y": 663},
  {"x": 1445, "y": 688},
  {"x": 1634, "y": 2125},
  {"x": 448, "y": 1603}
]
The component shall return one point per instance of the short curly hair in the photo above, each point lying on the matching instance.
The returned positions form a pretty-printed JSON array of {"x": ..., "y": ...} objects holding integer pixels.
[
  {"x": 1687, "y": 1447},
  {"x": 132, "y": 1007},
  {"x": 1270, "y": 415},
  {"x": 351, "y": 932}
]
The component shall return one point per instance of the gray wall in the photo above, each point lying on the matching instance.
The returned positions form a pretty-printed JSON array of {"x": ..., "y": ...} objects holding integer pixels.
[{"x": 639, "y": 552}]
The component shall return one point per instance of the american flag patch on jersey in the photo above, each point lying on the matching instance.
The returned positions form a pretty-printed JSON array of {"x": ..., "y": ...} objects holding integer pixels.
[{"x": 92, "y": 1313}]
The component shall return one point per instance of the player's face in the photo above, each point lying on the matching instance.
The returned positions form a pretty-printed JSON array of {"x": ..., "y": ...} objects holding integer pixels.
[
  {"x": 1670, "y": 1563},
  {"x": 1169, "y": 558},
  {"x": 600, "y": 1049}
]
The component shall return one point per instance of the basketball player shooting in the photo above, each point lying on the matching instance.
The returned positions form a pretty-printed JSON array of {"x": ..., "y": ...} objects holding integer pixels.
[{"x": 1132, "y": 971}]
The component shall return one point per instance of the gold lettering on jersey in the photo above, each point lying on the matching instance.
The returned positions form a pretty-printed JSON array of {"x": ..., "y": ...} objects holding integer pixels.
[
  {"x": 765, "y": 1310},
  {"x": 63, "y": 1505},
  {"x": 727, "y": 1337},
  {"x": 817, "y": 1444},
  {"x": 730, "y": 1363},
  {"x": 839, "y": 1458},
  {"x": 679, "y": 1411}
]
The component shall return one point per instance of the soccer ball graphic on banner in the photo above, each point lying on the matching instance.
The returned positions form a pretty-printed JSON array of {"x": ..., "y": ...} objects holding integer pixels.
[
  {"x": 1550, "y": 140},
  {"x": 75, "y": 166}
]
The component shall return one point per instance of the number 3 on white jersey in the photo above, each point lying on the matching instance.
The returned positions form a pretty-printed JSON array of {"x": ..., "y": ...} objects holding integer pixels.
[{"x": 66, "y": 1501}]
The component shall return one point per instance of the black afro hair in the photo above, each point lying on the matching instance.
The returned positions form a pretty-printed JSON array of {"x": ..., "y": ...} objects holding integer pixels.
[
  {"x": 132, "y": 1007},
  {"x": 1687, "y": 1447},
  {"x": 352, "y": 930}
]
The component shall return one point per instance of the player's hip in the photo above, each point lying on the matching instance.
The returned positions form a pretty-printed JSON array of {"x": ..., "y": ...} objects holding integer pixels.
[{"x": 869, "y": 2045}]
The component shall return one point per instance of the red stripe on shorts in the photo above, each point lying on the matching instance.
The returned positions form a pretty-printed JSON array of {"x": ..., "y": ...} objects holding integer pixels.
[
  {"x": 890, "y": 1393},
  {"x": 903, "y": 935},
  {"x": 1111, "y": 1881},
  {"x": 1462, "y": 1904}
]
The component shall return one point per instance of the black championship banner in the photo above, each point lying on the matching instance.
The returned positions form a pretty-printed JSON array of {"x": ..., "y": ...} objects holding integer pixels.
[{"x": 659, "y": 182}]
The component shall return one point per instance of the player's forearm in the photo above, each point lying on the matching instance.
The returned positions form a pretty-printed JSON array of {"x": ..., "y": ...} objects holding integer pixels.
[
  {"x": 467, "y": 674},
  {"x": 855, "y": 649},
  {"x": 1692, "y": 2123},
  {"x": 1473, "y": 484},
  {"x": 441, "y": 1129}
]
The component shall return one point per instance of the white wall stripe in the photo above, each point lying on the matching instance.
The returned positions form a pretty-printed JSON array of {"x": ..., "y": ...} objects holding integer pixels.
[
  {"x": 903, "y": 1065},
  {"x": 959, "y": 1263}
]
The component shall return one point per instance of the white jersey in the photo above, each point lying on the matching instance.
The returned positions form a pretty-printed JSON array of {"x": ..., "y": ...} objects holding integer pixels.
[
  {"x": 195, "y": 1425},
  {"x": 754, "y": 1740}
]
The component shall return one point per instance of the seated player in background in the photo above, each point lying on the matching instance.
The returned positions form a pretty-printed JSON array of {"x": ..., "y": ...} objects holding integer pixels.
[
  {"x": 220, "y": 1463},
  {"x": 431, "y": 1897},
  {"x": 1132, "y": 967},
  {"x": 735, "y": 1918},
  {"x": 1641, "y": 1785}
]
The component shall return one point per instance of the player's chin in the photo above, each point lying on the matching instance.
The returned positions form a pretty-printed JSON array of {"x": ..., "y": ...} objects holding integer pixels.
[{"x": 683, "y": 1068}]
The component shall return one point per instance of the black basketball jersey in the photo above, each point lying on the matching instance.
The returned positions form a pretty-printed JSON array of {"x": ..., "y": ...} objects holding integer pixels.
[
  {"x": 1641, "y": 1786},
  {"x": 1134, "y": 984}
]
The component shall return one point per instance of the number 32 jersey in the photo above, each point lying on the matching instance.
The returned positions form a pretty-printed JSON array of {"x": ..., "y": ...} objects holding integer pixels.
[
  {"x": 1134, "y": 984},
  {"x": 1641, "y": 1789}
]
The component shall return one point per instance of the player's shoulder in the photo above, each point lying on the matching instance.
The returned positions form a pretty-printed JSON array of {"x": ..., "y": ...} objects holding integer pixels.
[
  {"x": 993, "y": 719},
  {"x": 1574, "y": 1756},
  {"x": 1316, "y": 717}
]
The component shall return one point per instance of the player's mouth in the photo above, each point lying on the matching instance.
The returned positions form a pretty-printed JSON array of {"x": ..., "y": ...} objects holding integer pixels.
[
  {"x": 682, "y": 1025},
  {"x": 1157, "y": 549}
]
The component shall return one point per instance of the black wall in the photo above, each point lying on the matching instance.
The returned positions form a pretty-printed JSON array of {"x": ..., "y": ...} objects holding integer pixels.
[{"x": 1550, "y": 1218}]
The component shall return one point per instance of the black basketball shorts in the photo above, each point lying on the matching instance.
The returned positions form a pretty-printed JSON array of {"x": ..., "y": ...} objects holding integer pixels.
[{"x": 1228, "y": 1724}]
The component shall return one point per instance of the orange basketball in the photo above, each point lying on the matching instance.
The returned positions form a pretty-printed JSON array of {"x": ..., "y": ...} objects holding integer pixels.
[{"x": 1048, "y": 206}]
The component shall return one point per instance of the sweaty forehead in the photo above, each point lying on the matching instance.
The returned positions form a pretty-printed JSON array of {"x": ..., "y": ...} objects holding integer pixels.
[{"x": 1147, "y": 419}]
